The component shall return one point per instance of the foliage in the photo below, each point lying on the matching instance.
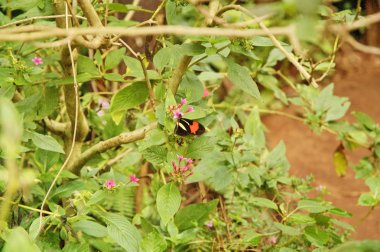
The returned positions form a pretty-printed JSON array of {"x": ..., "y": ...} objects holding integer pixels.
[{"x": 224, "y": 190}]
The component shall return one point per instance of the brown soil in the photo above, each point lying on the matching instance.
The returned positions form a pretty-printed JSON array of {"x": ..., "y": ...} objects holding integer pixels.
[{"x": 358, "y": 78}]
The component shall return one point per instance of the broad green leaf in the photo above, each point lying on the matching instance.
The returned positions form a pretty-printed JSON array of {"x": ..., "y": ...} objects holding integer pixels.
[
  {"x": 316, "y": 235},
  {"x": 241, "y": 77},
  {"x": 155, "y": 154},
  {"x": 91, "y": 228},
  {"x": 153, "y": 242},
  {"x": 288, "y": 230},
  {"x": 340, "y": 163},
  {"x": 314, "y": 206},
  {"x": 48, "y": 102},
  {"x": 222, "y": 178},
  {"x": 113, "y": 58},
  {"x": 167, "y": 57},
  {"x": 263, "y": 202},
  {"x": 277, "y": 157},
  {"x": 28, "y": 103},
  {"x": 340, "y": 212},
  {"x": 200, "y": 146},
  {"x": 87, "y": 65},
  {"x": 192, "y": 49},
  {"x": 134, "y": 67},
  {"x": 191, "y": 87},
  {"x": 374, "y": 184},
  {"x": 168, "y": 202},
  {"x": 127, "y": 98},
  {"x": 35, "y": 227},
  {"x": 261, "y": 41},
  {"x": 123, "y": 232},
  {"x": 19, "y": 240},
  {"x": 46, "y": 142},
  {"x": 194, "y": 215}
]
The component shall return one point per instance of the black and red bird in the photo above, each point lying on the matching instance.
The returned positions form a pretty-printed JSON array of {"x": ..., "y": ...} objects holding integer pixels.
[{"x": 187, "y": 127}]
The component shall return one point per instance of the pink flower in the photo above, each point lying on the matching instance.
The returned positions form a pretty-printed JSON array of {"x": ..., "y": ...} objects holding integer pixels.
[
  {"x": 189, "y": 161},
  {"x": 37, "y": 61},
  {"x": 205, "y": 92},
  {"x": 273, "y": 239},
  {"x": 210, "y": 224},
  {"x": 134, "y": 179},
  {"x": 104, "y": 103},
  {"x": 180, "y": 157},
  {"x": 190, "y": 109},
  {"x": 183, "y": 101},
  {"x": 177, "y": 114},
  {"x": 110, "y": 183}
]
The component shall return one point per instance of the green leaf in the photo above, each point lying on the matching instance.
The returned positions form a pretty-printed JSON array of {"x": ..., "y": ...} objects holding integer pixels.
[
  {"x": 365, "y": 120},
  {"x": 340, "y": 212},
  {"x": 134, "y": 67},
  {"x": 153, "y": 242},
  {"x": 200, "y": 146},
  {"x": 127, "y": 98},
  {"x": 155, "y": 154},
  {"x": 194, "y": 215},
  {"x": 168, "y": 202},
  {"x": 7, "y": 91},
  {"x": 314, "y": 206},
  {"x": 301, "y": 219},
  {"x": 167, "y": 57},
  {"x": 367, "y": 199},
  {"x": 277, "y": 157},
  {"x": 19, "y": 240},
  {"x": 49, "y": 102},
  {"x": 114, "y": 77},
  {"x": 340, "y": 163},
  {"x": 241, "y": 77},
  {"x": 87, "y": 65},
  {"x": 91, "y": 228},
  {"x": 74, "y": 247},
  {"x": 316, "y": 235},
  {"x": 46, "y": 142},
  {"x": 113, "y": 58},
  {"x": 263, "y": 202},
  {"x": 288, "y": 230},
  {"x": 123, "y": 232},
  {"x": 358, "y": 246},
  {"x": 46, "y": 158},
  {"x": 191, "y": 87}
]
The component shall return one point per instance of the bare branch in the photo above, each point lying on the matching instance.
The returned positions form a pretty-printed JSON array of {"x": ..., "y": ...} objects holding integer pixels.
[
  {"x": 105, "y": 145},
  {"x": 176, "y": 79},
  {"x": 55, "y": 127}
]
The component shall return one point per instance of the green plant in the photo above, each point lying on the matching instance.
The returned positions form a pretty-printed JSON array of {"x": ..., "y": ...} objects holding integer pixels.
[{"x": 89, "y": 158}]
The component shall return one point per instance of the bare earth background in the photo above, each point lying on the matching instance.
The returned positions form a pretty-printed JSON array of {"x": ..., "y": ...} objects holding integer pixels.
[{"x": 358, "y": 78}]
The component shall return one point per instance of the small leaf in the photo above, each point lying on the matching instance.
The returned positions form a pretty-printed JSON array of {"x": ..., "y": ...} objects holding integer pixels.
[
  {"x": 46, "y": 142},
  {"x": 241, "y": 77},
  {"x": 114, "y": 77},
  {"x": 288, "y": 230},
  {"x": 263, "y": 202},
  {"x": 155, "y": 154},
  {"x": 314, "y": 206},
  {"x": 127, "y": 98},
  {"x": 194, "y": 215},
  {"x": 168, "y": 202},
  {"x": 367, "y": 199},
  {"x": 340, "y": 163},
  {"x": 113, "y": 58},
  {"x": 316, "y": 235},
  {"x": 87, "y": 65}
]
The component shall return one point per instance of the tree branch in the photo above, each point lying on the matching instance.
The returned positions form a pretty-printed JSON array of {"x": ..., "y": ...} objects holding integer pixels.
[
  {"x": 55, "y": 127},
  {"x": 105, "y": 145},
  {"x": 176, "y": 79}
]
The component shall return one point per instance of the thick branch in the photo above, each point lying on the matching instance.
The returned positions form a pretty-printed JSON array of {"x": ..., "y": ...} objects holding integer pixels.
[
  {"x": 105, "y": 145},
  {"x": 55, "y": 127},
  {"x": 176, "y": 79}
]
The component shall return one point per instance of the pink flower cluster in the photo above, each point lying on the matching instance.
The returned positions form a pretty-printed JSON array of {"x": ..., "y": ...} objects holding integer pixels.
[
  {"x": 177, "y": 114},
  {"x": 110, "y": 183},
  {"x": 182, "y": 170},
  {"x": 37, "y": 61}
]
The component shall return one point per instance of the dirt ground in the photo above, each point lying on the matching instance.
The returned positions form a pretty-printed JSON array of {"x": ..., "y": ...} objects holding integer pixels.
[{"x": 358, "y": 78}]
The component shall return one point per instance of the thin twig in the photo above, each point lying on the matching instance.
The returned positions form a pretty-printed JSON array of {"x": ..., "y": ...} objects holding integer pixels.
[{"x": 75, "y": 125}]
